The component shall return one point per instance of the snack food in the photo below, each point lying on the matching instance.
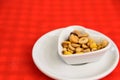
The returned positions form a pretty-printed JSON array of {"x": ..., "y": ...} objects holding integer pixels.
[{"x": 80, "y": 43}]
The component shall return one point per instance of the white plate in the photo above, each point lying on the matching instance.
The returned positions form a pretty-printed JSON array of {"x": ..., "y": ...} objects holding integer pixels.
[{"x": 46, "y": 58}]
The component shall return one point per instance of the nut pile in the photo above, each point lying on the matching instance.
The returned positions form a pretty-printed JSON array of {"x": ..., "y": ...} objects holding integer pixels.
[{"x": 79, "y": 43}]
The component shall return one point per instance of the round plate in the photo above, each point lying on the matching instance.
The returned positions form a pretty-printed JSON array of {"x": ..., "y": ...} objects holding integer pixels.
[{"x": 47, "y": 60}]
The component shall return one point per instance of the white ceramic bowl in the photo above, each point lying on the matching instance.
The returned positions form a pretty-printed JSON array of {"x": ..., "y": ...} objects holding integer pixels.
[{"x": 82, "y": 58}]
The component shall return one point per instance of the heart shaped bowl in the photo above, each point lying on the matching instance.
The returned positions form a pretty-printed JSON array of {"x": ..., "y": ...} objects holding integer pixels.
[{"x": 86, "y": 57}]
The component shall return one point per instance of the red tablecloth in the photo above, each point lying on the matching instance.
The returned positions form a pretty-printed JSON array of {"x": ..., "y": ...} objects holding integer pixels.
[{"x": 22, "y": 22}]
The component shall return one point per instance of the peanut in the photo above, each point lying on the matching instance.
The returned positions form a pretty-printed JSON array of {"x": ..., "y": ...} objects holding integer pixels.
[
  {"x": 83, "y": 40},
  {"x": 93, "y": 45},
  {"x": 75, "y": 45},
  {"x": 65, "y": 44},
  {"x": 78, "y": 49},
  {"x": 76, "y": 32},
  {"x": 70, "y": 47},
  {"x": 67, "y": 53},
  {"x": 79, "y": 43},
  {"x": 104, "y": 43},
  {"x": 84, "y": 46},
  {"x": 73, "y": 38},
  {"x": 86, "y": 50}
]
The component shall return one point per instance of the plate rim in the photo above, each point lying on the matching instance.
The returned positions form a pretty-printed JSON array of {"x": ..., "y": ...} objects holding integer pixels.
[{"x": 96, "y": 77}]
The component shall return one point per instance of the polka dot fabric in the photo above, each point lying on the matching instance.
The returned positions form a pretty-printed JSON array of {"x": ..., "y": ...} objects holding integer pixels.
[{"x": 22, "y": 22}]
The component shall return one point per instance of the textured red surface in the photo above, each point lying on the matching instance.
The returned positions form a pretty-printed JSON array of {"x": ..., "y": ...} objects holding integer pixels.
[{"x": 22, "y": 22}]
